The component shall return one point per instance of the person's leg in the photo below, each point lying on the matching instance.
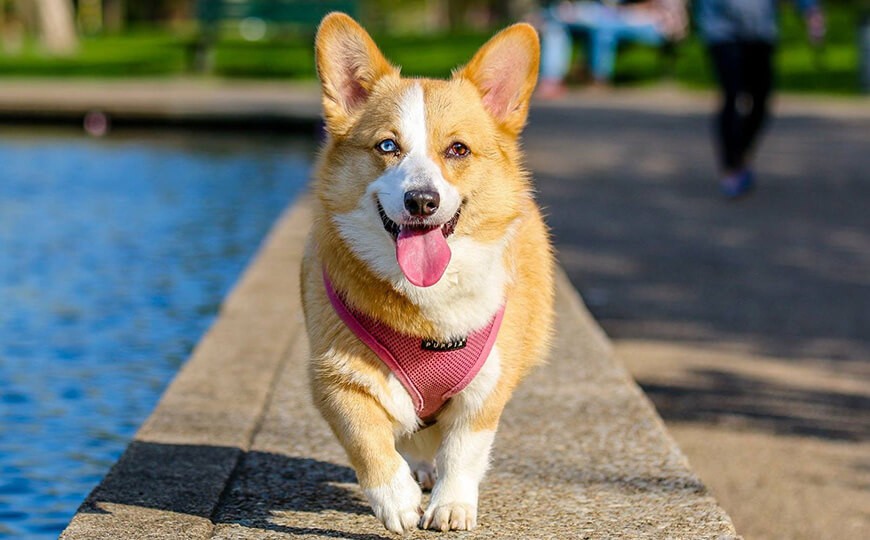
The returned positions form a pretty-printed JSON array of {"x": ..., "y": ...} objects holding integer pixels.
[
  {"x": 730, "y": 123},
  {"x": 556, "y": 48},
  {"x": 727, "y": 59},
  {"x": 758, "y": 77},
  {"x": 602, "y": 53},
  {"x": 555, "y": 51}
]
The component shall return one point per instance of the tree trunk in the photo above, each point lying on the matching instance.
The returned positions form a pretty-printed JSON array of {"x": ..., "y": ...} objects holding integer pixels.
[
  {"x": 90, "y": 16},
  {"x": 114, "y": 15},
  {"x": 57, "y": 26},
  {"x": 499, "y": 12},
  {"x": 456, "y": 14}
]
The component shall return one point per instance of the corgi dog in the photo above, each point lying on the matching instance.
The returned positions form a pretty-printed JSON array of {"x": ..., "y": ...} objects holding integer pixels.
[{"x": 427, "y": 279}]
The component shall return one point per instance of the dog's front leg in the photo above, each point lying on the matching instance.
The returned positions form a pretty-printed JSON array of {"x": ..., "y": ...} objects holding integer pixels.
[
  {"x": 366, "y": 432},
  {"x": 462, "y": 461}
]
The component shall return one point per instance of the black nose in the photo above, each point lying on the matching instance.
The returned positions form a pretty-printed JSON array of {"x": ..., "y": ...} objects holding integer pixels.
[{"x": 422, "y": 203}]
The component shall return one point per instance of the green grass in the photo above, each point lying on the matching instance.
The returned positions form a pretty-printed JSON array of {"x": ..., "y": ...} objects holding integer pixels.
[
  {"x": 800, "y": 67},
  {"x": 155, "y": 52},
  {"x": 143, "y": 53},
  {"x": 425, "y": 56}
]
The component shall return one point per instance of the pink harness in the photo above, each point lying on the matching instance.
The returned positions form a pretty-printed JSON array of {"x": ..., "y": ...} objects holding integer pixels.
[{"x": 431, "y": 371}]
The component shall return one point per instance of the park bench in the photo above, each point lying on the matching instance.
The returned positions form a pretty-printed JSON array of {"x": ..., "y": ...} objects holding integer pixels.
[{"x": 252, "y": 19}]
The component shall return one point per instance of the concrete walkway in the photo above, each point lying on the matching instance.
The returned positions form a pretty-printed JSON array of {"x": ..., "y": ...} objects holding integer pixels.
[
  {"x": 745, "y": 323},
  {"x": 235, "y": 449},
  {"x": 273, "y": 102},
  {"x": 173, "y": 101}
]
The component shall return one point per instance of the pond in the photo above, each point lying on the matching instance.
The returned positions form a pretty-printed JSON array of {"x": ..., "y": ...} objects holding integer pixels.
[{"x": 115, "y": 254}]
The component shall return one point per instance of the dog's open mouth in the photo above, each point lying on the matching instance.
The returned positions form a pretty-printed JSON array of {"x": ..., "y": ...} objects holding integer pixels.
[
  {"x": 421, "y": 250},
  {"x": 394, "y": 228}
]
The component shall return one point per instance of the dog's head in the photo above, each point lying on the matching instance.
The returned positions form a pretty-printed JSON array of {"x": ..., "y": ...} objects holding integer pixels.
[{"x": 414, "y": 166}]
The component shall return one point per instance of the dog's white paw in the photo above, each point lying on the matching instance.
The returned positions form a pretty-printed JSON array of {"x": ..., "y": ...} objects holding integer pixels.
[
  {"x": 450, "y": 517},
  {"x": 403, "y": 520},
  {"x": 425, "y": 474},
  {"x": 397, "y": 504}
]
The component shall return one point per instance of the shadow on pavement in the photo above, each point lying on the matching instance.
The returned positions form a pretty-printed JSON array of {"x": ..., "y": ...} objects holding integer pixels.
[
  {"x": 717, "y": 396},
  {"x": 188, "y": 479},
  {"x": 657, "y": 254}
]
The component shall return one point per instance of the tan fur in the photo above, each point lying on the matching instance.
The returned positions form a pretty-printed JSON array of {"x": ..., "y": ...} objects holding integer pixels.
[{"x": 361, "y": 90}]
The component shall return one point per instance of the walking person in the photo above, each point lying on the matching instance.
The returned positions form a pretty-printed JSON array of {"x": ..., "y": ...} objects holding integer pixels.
[{"x": 740, "y": 37}]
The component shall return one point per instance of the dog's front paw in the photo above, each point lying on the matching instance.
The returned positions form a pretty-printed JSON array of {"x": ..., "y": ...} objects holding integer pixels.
[
  {"x": 450, "y": 517},
  {"x": 397, "y": 504},
  {"x": 401, "y": 520}
]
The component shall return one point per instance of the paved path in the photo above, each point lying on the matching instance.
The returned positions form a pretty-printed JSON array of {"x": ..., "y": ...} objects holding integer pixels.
[
  {"x": 657, "y": 254},
  {"x": 746, "y": 323},
  {"x": 236, "y": 450},
  {"x": 191, "y": 101},
  {"x": 275, "y": 102}
]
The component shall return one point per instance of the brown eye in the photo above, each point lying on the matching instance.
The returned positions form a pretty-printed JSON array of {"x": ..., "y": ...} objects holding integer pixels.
[{"x": 458, "y": 149}]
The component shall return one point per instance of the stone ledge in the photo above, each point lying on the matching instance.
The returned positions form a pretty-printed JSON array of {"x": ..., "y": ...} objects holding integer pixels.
[
  {"x": 194, "y": 101},
  {"x": 235, "y": 450}
]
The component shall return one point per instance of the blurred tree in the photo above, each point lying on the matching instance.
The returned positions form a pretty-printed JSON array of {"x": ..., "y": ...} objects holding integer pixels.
[
  {"x": 12, "y": 27},
  {"x": 457, "y": 14},
  {"x": 485, "y": 13},
  {"x": 114, "y": 15},
  {"x": 500, "y": 11},
  {"x": 425, "y": 16},
  {"x": 4, "y": 18},
  {"x": 90, "y": 16},
  {"x": 160, "y": 11},
  {"x": 56, "y": 26}
]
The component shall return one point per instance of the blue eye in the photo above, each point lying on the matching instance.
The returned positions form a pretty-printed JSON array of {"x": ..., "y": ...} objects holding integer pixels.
[{"x": 387, "y": 146}]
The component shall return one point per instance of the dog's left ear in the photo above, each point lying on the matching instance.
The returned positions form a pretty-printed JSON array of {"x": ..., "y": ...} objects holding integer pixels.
[{"x": 505, "y": 70}]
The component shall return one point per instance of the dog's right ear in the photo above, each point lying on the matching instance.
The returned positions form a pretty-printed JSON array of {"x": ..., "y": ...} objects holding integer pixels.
[{"x": 348, "y": 64}]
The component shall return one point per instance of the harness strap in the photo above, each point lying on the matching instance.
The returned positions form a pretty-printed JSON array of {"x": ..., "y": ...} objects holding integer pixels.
[{"x": 430, "y": 371}]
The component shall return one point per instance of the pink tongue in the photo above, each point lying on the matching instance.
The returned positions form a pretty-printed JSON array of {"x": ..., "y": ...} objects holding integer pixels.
[{"x": 423, "y": 255}]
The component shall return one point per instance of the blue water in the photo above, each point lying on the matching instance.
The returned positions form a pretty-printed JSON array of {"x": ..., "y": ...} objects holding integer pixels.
[{"x": 114, "y": 256}]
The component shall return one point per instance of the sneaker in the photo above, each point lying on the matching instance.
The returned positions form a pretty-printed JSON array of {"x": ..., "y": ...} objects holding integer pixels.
[{"x": 737, "y": 185}]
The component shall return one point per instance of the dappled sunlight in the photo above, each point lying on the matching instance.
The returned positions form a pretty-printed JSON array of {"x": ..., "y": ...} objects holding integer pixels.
[
  {"x": 728, "y": 384},
  {"x": 663, "y": 256}
]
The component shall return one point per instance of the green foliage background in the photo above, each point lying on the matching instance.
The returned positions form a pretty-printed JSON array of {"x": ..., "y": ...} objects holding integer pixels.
[{"x": 149, "y": 51}]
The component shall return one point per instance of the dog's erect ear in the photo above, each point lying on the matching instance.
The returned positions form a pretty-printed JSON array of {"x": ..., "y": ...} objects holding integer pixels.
[
  {"x": 348, "y": 64},
  {"x": 505, "y": 70}
]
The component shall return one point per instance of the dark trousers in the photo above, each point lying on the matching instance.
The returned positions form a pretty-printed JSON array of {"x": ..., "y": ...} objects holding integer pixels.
[{"x": 745, "y": 74}]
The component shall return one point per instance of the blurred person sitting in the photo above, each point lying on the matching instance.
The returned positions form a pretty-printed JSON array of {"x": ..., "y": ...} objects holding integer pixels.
[
  {"x": 606, "y": 24},
  {"x": 740, "y": 37}
]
